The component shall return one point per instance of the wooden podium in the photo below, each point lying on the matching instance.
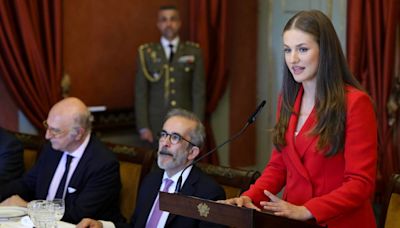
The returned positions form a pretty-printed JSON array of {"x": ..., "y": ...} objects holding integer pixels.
[{"x": 223, "y": 214}]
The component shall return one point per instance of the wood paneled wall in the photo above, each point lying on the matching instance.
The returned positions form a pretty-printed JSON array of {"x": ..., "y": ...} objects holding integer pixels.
[
  {"x": 242, "y": 62},
  {"x": 100, "y": 43},
  {"x": 100, "y": 39}
]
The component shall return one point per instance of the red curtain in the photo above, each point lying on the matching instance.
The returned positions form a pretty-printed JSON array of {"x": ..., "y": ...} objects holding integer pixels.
[
  {"x": 371, "y": 32},
  {"x": 208, "y": 28},
  {"x": 31, "y": 54}
]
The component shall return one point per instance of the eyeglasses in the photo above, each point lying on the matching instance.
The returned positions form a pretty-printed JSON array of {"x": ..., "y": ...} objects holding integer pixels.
[
  {"x": 53, "y": 131},
  {"x": 174, "y": 138}
]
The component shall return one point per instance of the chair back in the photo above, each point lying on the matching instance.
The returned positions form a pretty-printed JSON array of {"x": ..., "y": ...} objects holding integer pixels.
[
  {"x": 234, "y": 181},
  {"x": 32, "y": 146},
  {"x": 135, "y": 163},
  {"x": 391, "y": 208}
]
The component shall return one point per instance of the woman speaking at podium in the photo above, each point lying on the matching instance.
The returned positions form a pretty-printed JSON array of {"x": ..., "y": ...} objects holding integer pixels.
[{"x": 325, "y": 137}]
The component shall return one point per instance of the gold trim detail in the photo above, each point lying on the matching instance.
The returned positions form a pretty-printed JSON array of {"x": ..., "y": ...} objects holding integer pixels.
[
  {"x": 144, "y": 68},
  {"x": 203, "y": 209},
  {"x": 166, "y": 82},
  {"x": 165, "y": 71}
]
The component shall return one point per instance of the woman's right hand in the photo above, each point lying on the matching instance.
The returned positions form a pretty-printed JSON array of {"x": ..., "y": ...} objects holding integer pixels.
[{"x": 241, "y": 201}]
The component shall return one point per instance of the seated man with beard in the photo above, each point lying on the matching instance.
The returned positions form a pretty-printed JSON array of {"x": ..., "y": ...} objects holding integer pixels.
[{"x": 180, "y": 141}]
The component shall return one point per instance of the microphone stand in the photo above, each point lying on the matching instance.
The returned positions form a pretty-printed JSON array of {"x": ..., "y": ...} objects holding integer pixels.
[{"x": 249, "y": 121}]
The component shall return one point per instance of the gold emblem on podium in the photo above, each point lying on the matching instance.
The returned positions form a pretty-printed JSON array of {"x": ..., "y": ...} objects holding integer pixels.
[{"x": 203, "y": 209}]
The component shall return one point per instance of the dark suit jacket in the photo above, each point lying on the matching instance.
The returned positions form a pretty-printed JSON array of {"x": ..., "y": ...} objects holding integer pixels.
[
  {"x": 11, "y": 157},
  {"x": 96, "y": 180},
  {"x": 161, "y": 86},
  {"x": 197, "y": 184}
]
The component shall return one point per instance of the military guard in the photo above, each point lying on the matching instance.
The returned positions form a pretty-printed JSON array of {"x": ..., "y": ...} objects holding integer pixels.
[{"x": 170, "y": 75}]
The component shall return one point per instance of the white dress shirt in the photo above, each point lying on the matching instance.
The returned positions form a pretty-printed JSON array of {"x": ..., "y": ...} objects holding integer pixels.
[
  {"x": 164, "y": 215},
  {"x": 77, "y": 154},
  {"x": 165, "y": 43}
]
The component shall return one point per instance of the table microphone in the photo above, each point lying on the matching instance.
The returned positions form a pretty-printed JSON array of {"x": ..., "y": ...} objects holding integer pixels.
[{"x": 251, "y": 119}]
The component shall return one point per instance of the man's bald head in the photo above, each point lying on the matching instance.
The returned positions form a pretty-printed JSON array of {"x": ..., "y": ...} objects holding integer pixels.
[
  {"x": 68, "y": 124},
  {"x": 73, "y": 111}
]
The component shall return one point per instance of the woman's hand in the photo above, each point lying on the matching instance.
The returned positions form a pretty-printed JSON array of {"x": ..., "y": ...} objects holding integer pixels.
[
  {"x": 282, "y": 208},
  {"x": 241, "y": 201}
]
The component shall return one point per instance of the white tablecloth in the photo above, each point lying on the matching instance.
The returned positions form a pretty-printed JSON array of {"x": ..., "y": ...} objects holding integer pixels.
[
  {"x": 10, "y": 217},
  {"x": 19, "y": 224}
]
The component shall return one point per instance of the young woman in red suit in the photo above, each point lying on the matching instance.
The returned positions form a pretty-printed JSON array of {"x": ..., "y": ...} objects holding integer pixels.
[{"x": 325, "y": 137}]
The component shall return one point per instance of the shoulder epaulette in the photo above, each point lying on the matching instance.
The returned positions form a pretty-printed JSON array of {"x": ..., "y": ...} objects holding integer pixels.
[{"x": 146, "y": 45}]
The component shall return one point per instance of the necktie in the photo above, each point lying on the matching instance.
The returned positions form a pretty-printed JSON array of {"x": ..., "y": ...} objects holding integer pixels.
[
  {"x": 61, "y": 186},
  {"x": 171, "y": 55},
  {"x": 155, "y": 216}
]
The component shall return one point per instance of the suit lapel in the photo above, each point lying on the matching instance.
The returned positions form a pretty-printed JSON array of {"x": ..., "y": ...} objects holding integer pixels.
[
  {"x": 80, "y": 168},
  {"x": 303, "y": 141},
  {"x": 179, "y": 51},
  {"x": 48, "y": 170},
  {"x": 150, "y": 195},
  {"x": 76, "y": 178},
  {"x": 160, "y": 52},
  {"x": 297, "y": 146},
  {"x": 188, "y": 189}
]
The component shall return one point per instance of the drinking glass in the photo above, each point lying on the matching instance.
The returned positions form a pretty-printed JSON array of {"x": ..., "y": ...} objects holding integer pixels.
[
  {"x": 59, "y": 208},
  {"x": 41, "y": 213},
  {"x": 31, "y": 213}
]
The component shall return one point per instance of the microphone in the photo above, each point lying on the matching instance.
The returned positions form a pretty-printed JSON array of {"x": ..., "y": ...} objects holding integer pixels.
[{"x": 251, "y": 119}]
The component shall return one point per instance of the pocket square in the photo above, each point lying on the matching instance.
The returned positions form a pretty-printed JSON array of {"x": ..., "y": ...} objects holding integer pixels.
[{"x": 71, "y": 190}]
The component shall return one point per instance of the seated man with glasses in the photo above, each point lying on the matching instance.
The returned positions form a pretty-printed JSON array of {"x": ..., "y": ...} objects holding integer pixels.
[
  {"x": 74, "y": 166},
  {"x": 179, "y": 144}
]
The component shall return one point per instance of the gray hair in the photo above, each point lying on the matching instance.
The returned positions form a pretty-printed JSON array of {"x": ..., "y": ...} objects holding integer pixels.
[
  {"x": 84, "y": 120},
  {"x": 198, "y": 134}
]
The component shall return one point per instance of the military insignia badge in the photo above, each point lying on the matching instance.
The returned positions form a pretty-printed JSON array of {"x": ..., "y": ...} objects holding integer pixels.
[
  {"x": 156, "y": 75},
  {"x": 153, "y": 56},
  {"x": 187, "y": 59}
]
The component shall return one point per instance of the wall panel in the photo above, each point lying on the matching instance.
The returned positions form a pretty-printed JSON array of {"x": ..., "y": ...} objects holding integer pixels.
[
  {"x": 100, "y": 43},
  {"x": 242, "y": 60}
]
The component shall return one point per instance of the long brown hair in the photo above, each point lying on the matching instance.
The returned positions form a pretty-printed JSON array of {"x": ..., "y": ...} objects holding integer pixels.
[{"x": 333, "y": 75}]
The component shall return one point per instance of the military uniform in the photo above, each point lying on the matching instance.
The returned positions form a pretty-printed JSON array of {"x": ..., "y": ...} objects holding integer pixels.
[{"x": 161, "y": 85}]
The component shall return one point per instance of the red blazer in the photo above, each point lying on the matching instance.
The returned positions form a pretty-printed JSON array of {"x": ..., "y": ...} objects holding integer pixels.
[{"x": 336, "y": 190}]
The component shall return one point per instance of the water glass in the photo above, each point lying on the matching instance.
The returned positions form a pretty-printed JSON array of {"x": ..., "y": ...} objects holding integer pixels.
[
  {"x": 59, "y": 208},
  {"x": 42, "y": 213}
]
